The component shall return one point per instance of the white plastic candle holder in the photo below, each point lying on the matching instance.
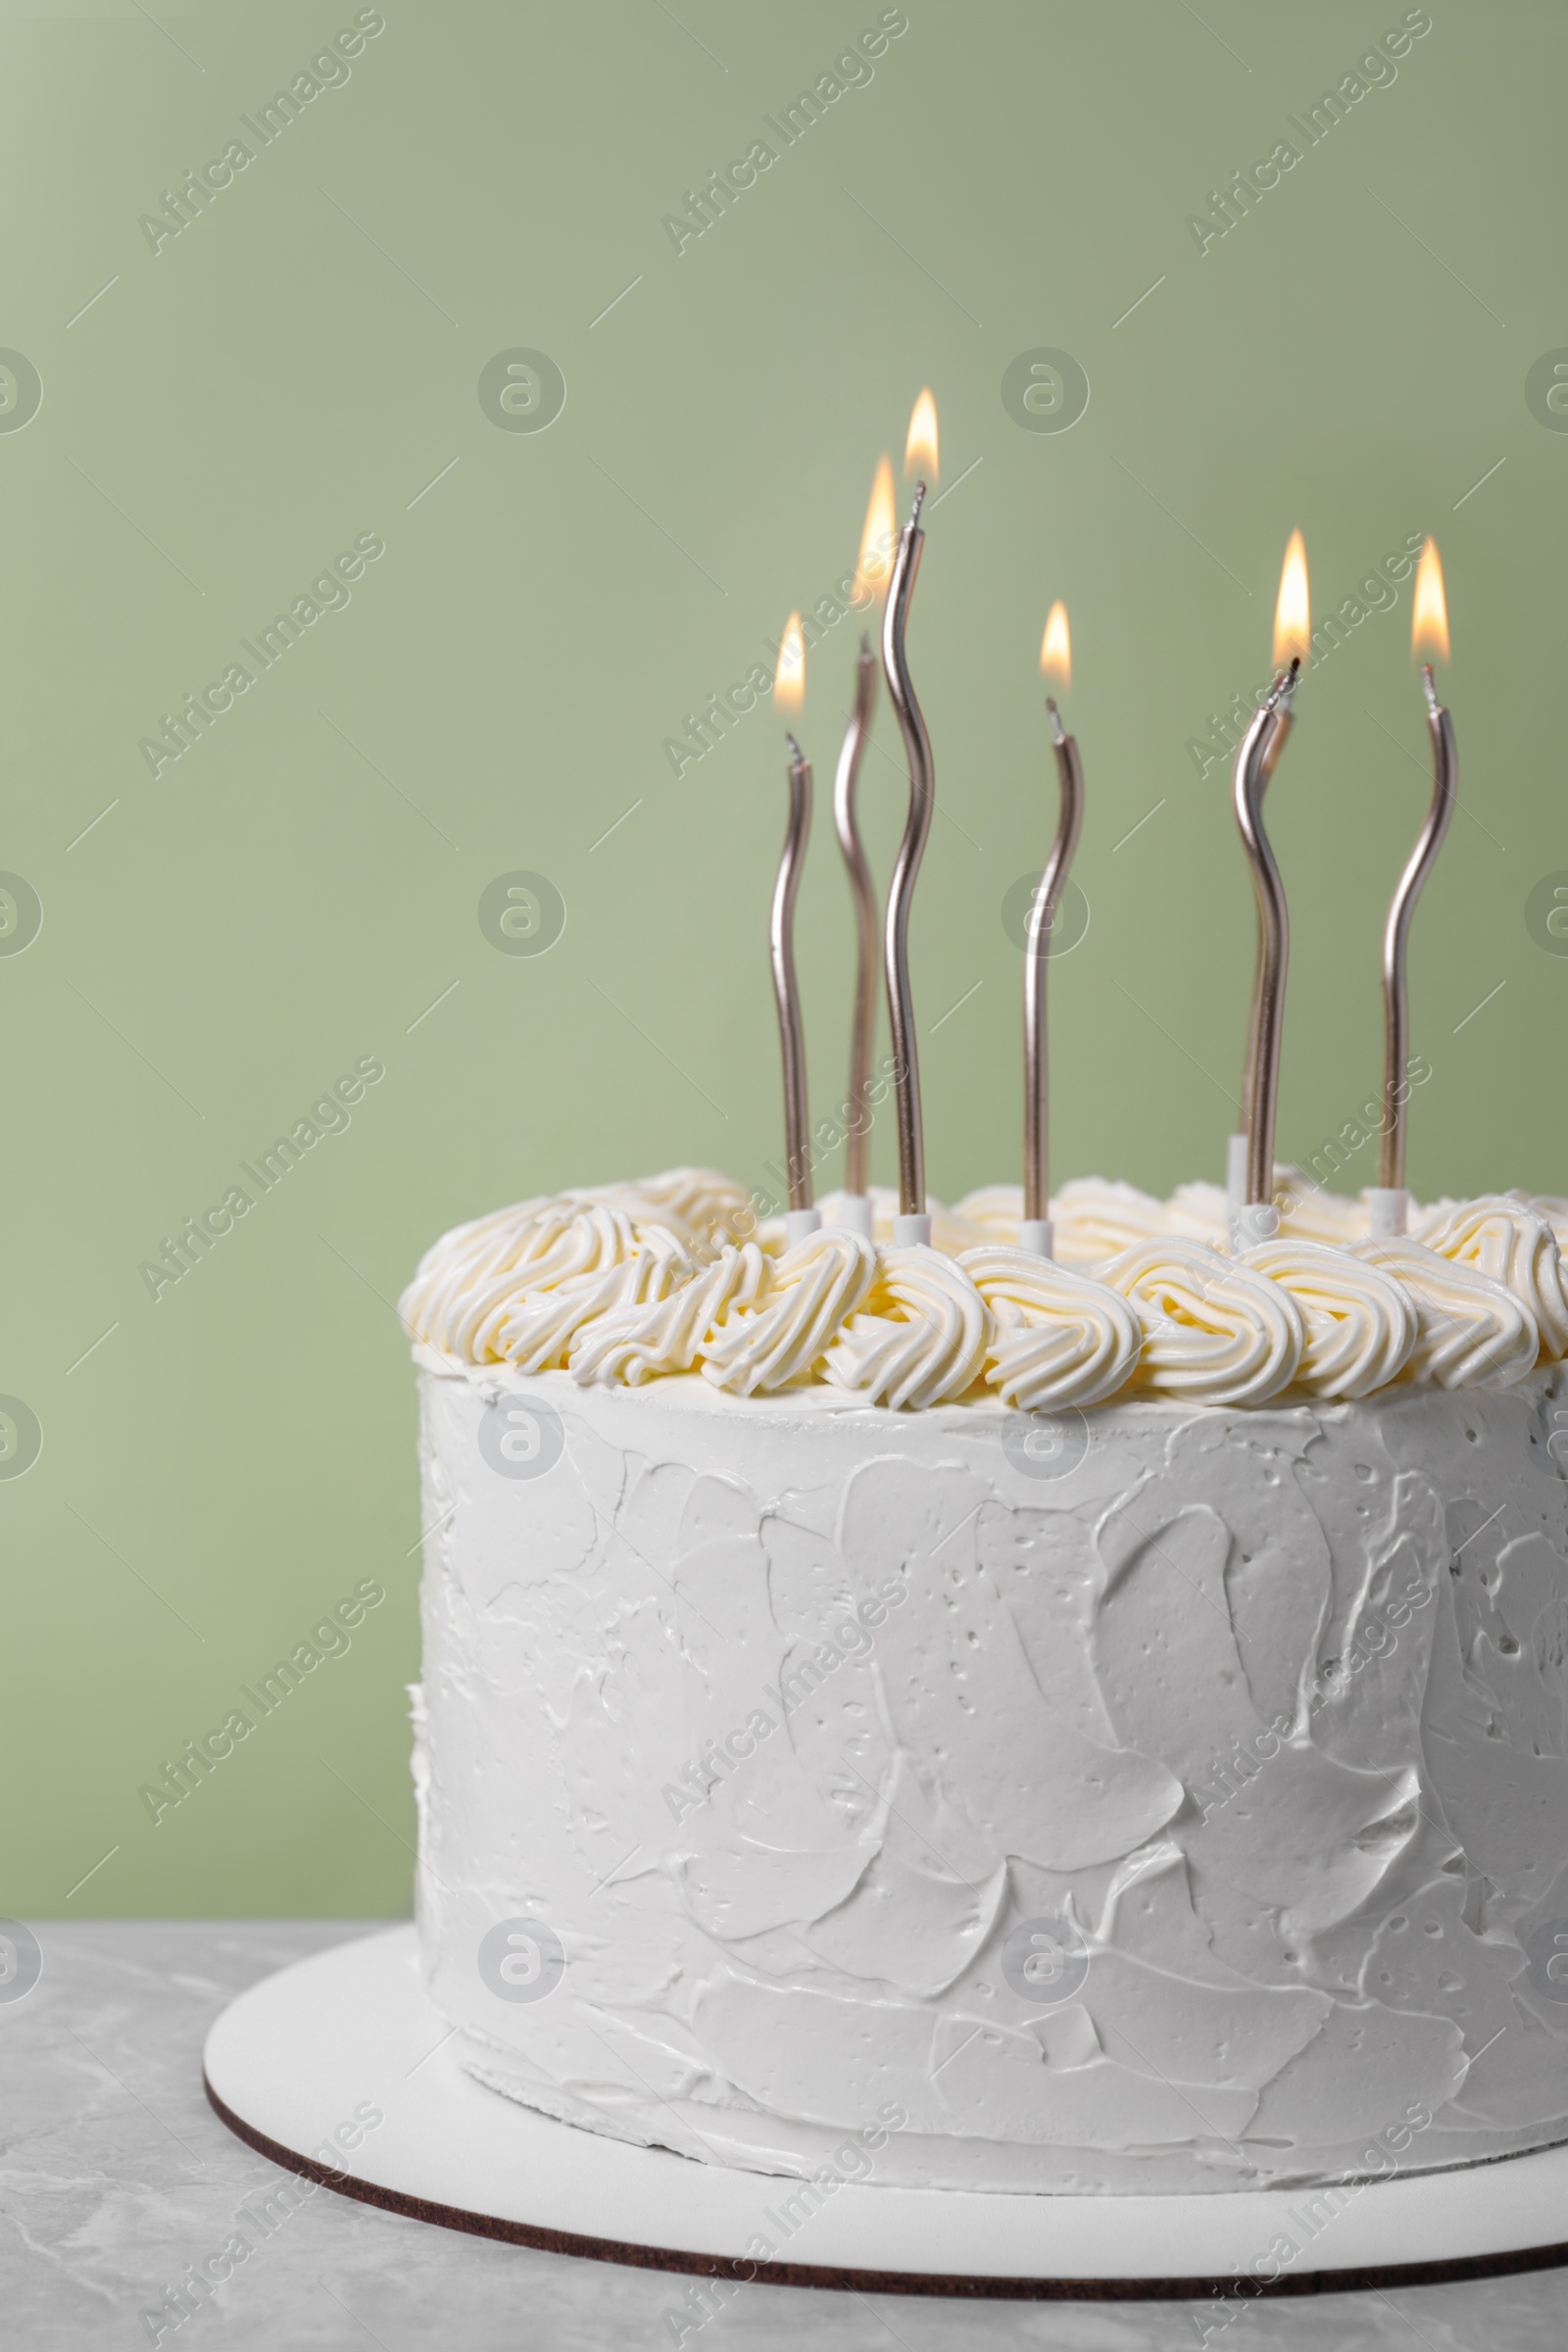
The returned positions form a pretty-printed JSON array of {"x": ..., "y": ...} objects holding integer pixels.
[
  {"x": 1235, "y": 1173},
  {"x": 1256, "y": 1221},
  {"x": 1388, "y": 1206}
]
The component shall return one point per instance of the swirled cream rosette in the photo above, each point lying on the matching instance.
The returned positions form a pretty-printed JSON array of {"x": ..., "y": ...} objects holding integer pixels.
[
  {"x": 1059, "y": 1337},
  {"x": 702, "y": 1207},
  {"x": 515, "y": 1288},
  {"x": 1470, "y": 1329},
  {"x": 919, "y": 1338},
  {"x": 1199, "y": 1212},
  {"x": 1214, "y": 1331},
  {"x": 994, "y": 1210},
  {"x": 1550, "y": 1206},
  {"x": 634, "y": 1343},
  {"x": 811, "y": 1291},
  {"x": 1094, "y": 1219},
  {"x": 1513, "y": 1242},
  {"x": 1361, "y": 1323},
  {"x": 535, "y": 1333},
  {"x": 1310, "y": 1213}
]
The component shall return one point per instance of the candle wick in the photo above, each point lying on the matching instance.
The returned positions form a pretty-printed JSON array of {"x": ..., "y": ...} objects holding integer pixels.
[
  {"x": 796, "y": 752},
  {"x": 1283, "y": 691},
  {"x": 1057, "y": 730},
  {"x": 1428, "y": 689},
  {"x": 919, "y": 501}
]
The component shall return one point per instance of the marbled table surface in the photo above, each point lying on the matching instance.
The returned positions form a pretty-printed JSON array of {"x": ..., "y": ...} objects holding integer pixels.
[{"x": 116, "y": 2175}]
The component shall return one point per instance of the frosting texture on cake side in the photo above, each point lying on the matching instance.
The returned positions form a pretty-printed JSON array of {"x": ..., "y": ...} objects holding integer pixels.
[{"x": 1169, "y": 1795}]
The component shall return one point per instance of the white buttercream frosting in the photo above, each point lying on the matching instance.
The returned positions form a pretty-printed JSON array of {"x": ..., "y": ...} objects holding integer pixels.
[
  {"x": 1360, "y": 1324},
  {"x": 1094, "y": 1219},
  {"x": 1469, "y": 1328},
  {"x": 631, "y": 1282},
  {"x": 515, "y": 1288},
  {"x": 634, "y": 1343},
  {"x": 1213, "y": 1329},
  {"x": 1059, "y": 1337},
  {"x": 538, "y": 1330},
  {"x": 996, "y": 1211},
  {"x": 1550, "y": 1206},
  {"x": 1183, "y": 1810},
  {"x": 1309, "y": 1213},
  {"x": 811, "y": 1292},
  {"x": 702, "y": 1207},
  {"x": 1199, "y": 1212},
  {"x": 920, "y": 1337},
  {"x": 1517, "y": 1247}
]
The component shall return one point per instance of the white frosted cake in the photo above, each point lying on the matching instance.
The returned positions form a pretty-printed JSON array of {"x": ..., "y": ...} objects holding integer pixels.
[{"x": 1095, "y": 1727}]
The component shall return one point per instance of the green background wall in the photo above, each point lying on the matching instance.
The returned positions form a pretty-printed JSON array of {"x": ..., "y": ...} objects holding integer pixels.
[{"x": 299, "y": 367}]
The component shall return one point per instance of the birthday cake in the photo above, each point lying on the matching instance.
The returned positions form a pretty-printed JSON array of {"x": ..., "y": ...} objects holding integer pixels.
[
  {"x": 1084, "y": 1725},
  {"x": 1058, "y": 1695}
]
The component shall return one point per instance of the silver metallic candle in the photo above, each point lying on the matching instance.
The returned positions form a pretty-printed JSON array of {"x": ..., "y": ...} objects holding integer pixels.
[
  {"x": 1249, "y": 1173},
  {"x": 1034, "y": 1231},
  {"x": 1236, "y": 1152},
  {"x": 1257, "y": 1219},
  {"x": 911, "y": 1224},
  {"x": 789, "y": 688},
  {"x": 857, "y": 1210},
  {"x": 1390, "y": 1202},
  {"x": 872, "y": 572}
]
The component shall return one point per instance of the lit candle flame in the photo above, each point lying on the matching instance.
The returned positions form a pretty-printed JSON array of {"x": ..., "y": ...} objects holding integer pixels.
[
  {"x": 789, "y": 679},
  {"x": 920, "y": 448},
  {"x": 1055, "y": 646},
  {"x": 878, "y": 539},
  {"x": 1292, "y": 615},
  {"x": 1428, "y": 618}
]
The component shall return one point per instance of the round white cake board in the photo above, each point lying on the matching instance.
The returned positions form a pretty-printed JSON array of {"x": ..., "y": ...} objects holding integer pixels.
[{"x": 300, "y": 2065}]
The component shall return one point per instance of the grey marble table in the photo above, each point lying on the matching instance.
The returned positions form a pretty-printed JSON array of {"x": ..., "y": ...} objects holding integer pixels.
[{"x": 116, "y": 2176}]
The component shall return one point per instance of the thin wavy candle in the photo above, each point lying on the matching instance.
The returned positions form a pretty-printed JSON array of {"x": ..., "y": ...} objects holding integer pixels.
[
  {"x": 1429, "y": 634},
  {"x": 872, "y": 574},
  {"x": 857, "y": 1206},
  {"x": 1255, "y": 1216},
  {"x": 789, "y": 691},
  {"x": 912, "y": 1225},
  {"x": 1293, "y": 623},
  {"x": 1256, "y": 1219},
  {"x": 1034, "y": 1231}
]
